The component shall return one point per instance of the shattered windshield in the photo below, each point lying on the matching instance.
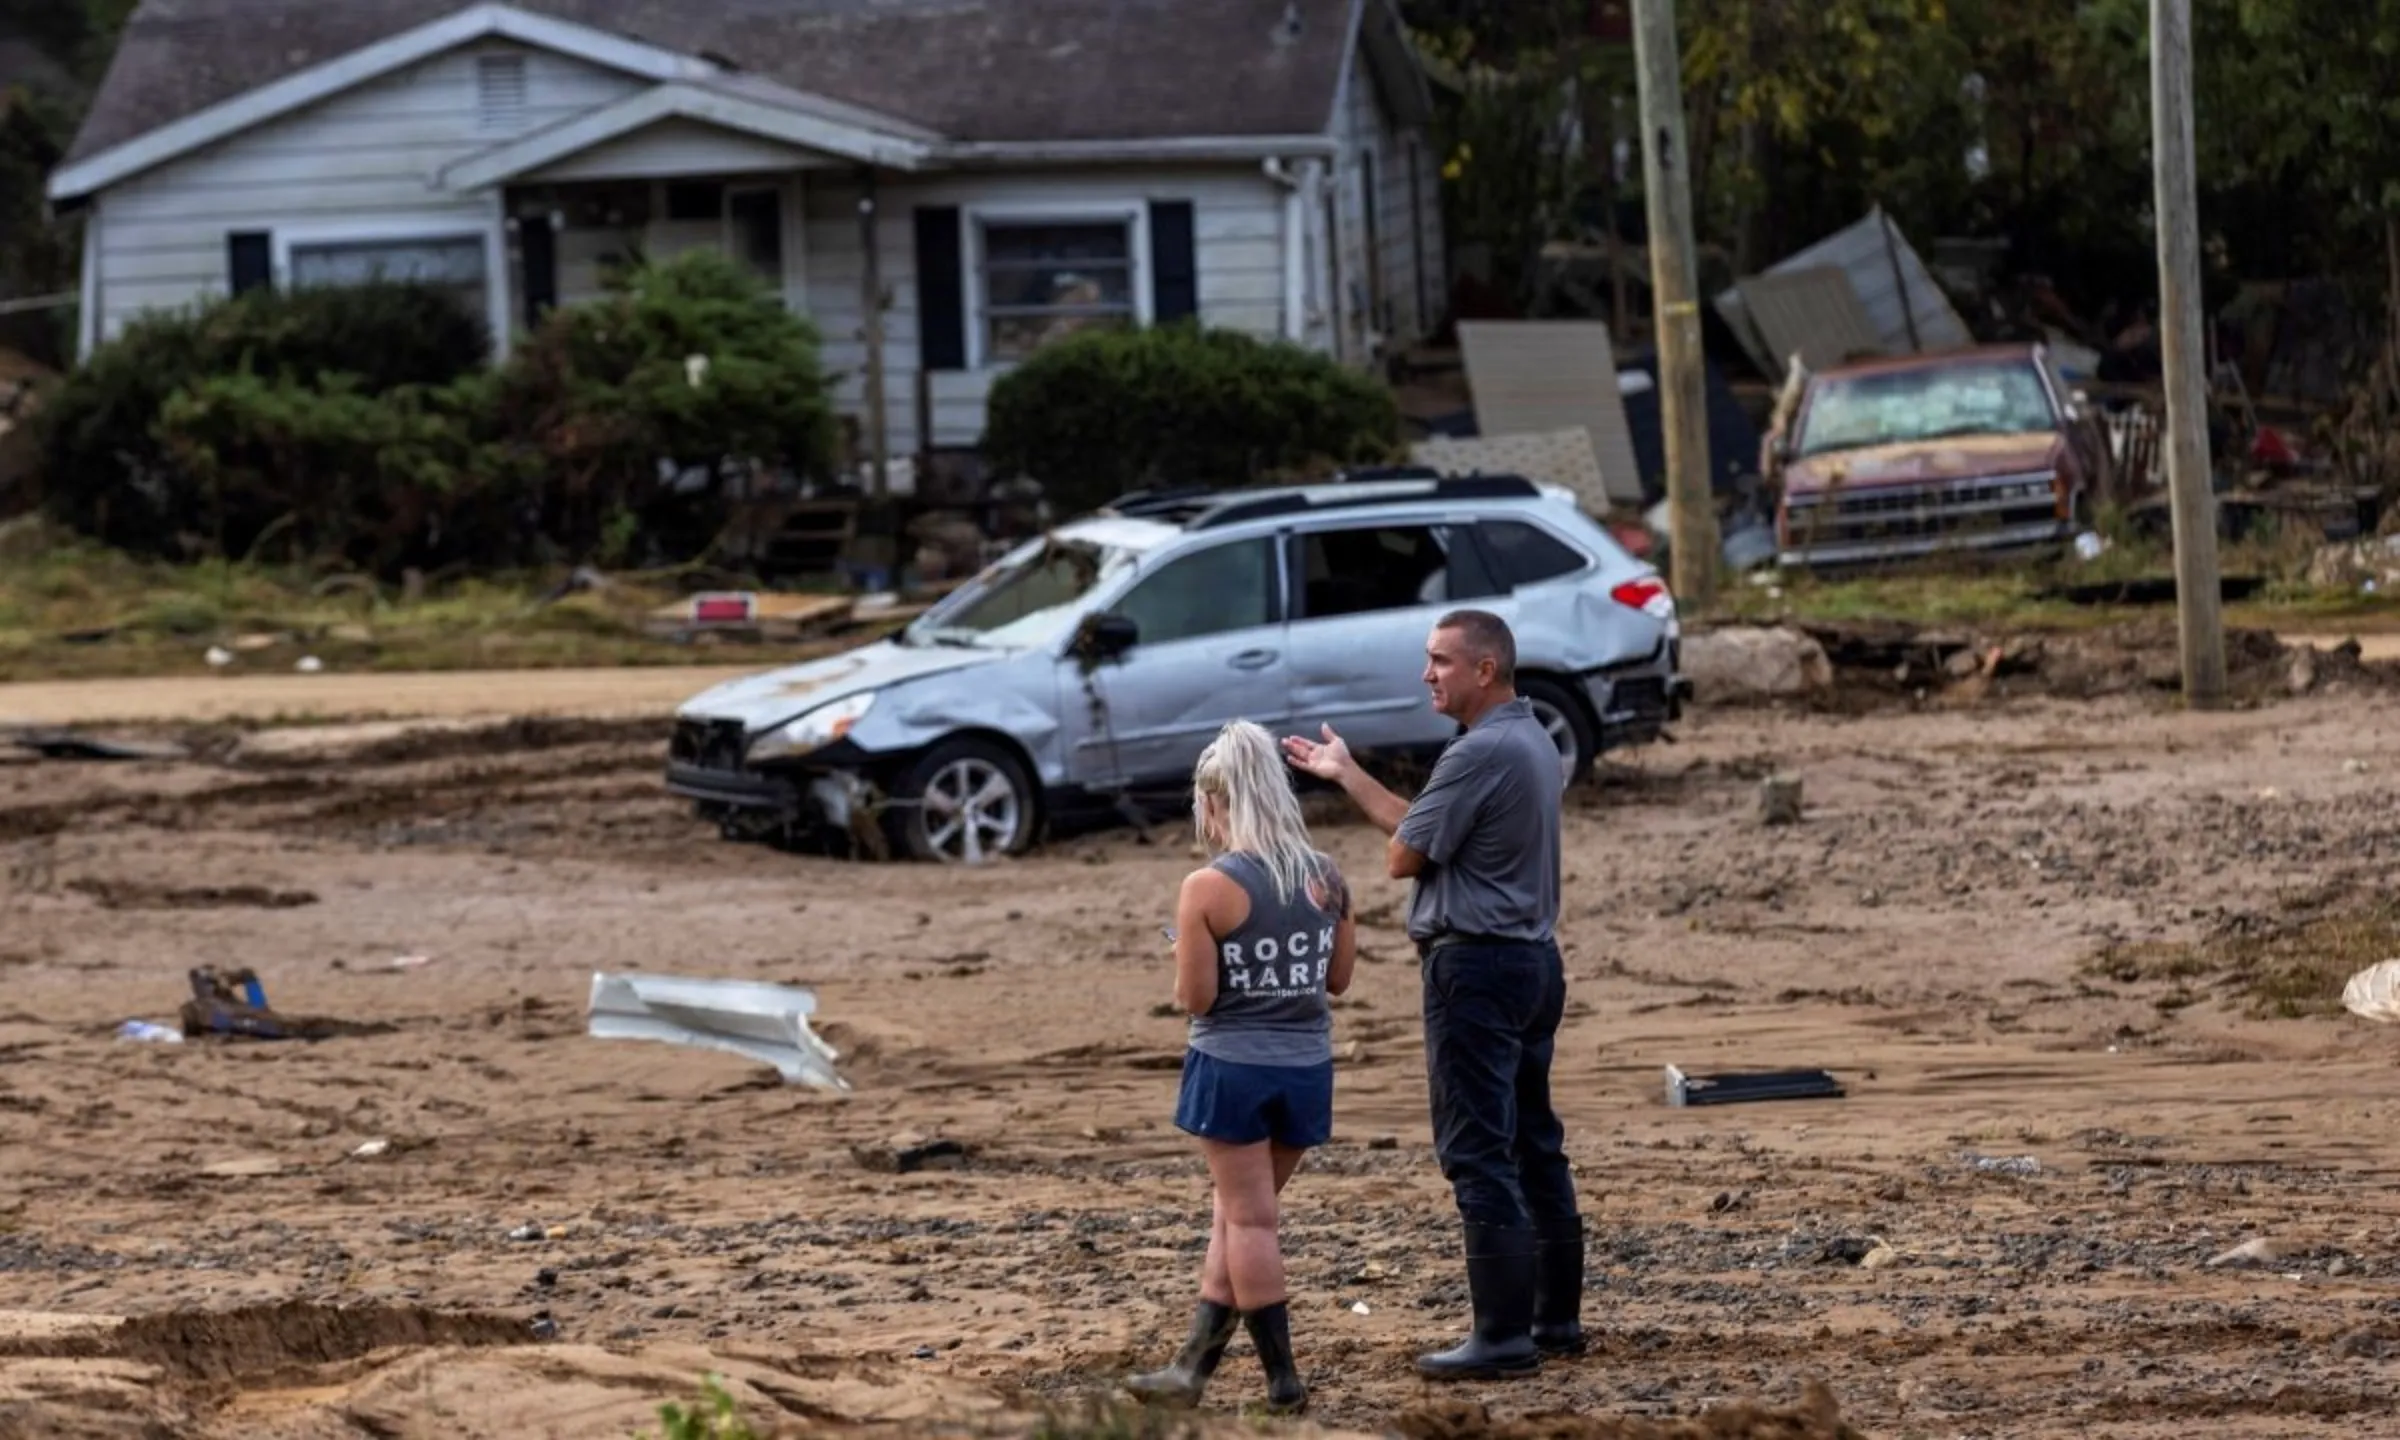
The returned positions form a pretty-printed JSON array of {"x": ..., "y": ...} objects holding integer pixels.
[
  {"x": 1023, "y": 601},
  {"x": 1993, "y": 398}
]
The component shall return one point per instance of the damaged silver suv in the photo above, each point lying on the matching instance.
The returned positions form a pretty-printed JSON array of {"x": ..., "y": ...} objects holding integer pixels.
[{"x": 1086, "y": 670}]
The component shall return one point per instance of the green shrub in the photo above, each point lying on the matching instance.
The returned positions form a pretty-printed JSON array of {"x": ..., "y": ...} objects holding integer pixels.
[
  {"x": 107, "y": 466},
  {"x": 1109, "y": 411},
  {"x": 605, "y": 392},
  {"x": 328, "y": 470},
  {"x": 362, "y": 425}
]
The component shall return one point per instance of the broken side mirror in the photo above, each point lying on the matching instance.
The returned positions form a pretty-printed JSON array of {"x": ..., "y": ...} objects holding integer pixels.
[{"x": 1105, "y": 637}]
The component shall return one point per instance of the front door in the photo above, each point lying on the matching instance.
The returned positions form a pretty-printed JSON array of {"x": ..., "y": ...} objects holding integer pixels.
[{"x": 1208, "y": 647}]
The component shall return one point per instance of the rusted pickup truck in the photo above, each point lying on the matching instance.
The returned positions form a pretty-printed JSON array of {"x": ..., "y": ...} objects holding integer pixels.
[{"x": 1893, "y": 459}]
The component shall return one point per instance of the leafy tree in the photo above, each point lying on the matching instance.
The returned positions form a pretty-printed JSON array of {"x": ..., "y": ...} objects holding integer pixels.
[{"x": 2302, "y": 98}]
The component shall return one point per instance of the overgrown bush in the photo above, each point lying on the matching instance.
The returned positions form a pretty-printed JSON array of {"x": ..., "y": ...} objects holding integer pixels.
[
  {"x": 113, "y": 468},
  {"x": 326, "y": 469},
  {"x": 362, "y": 425},
  {"x": 637, "y": 407},
  {"x": 1109, "y": 411}
]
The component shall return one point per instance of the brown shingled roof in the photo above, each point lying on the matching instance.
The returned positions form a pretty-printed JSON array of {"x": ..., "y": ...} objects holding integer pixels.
[{"x": 973, "y": 70}]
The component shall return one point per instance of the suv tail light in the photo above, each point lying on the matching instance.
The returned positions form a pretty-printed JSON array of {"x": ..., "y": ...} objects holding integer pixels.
[{"x": 1648, "y": 595}]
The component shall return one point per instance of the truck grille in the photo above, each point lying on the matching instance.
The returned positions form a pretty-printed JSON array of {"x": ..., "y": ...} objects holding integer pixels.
[
  {"x": 1957, "y": 508},
  {"x": 707, "y": 744}
]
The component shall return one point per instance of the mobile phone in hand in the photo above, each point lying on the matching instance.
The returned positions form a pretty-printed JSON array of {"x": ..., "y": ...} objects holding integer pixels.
[{"x": 1169, "y": 932}]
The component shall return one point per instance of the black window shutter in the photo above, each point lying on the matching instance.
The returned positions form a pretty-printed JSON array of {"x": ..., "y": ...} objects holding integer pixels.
[
  {"x": 941, "y": 289},
  {"x": 250, "y": 260},
  {"x": 1174, "y": 263},
  {"x": 538, "y": 244}
]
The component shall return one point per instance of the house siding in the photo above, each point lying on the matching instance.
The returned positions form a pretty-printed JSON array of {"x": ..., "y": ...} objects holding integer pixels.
[
  {"x": 1237, "y": 231},
  {"x": 1379, "y": 307},
  {"x": 349, "y": 161},
  {"x": 678, "y": 147}
]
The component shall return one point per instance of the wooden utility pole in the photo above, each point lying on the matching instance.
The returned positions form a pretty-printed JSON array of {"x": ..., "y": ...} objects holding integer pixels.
[
  {"x": 1683, "y": 396},
  {"x": 2180, "y": 352}
]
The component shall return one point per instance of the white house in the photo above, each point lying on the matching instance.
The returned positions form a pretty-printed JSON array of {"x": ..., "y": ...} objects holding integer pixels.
[{"x": 1000, "y": 171}]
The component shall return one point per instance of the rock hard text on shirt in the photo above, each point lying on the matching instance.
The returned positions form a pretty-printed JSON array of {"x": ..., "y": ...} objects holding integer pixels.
[{"x": 1291, "y": 965}]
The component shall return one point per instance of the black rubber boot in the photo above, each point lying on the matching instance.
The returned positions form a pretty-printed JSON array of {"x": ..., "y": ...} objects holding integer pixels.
[
  {"x": 1270, "y": 1329},
  {"x": 1187, "y": 1375},
  {"x": 1501, "y": 1265},
  {"x": 1558, "y": 1286}
]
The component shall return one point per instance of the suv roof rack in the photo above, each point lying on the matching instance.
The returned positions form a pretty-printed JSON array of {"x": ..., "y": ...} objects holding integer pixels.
[
  {"x": 1352, "y": 490},
  {"x": 1175, "y": 506},
  {"x": 1388, "y": 472}
]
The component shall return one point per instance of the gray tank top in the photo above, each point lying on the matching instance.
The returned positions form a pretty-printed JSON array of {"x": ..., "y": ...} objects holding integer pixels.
[{"x": 1270, "y": 1007}]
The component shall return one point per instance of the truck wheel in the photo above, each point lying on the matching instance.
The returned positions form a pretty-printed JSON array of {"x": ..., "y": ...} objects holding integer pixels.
[{"x": 965, "y": 802}]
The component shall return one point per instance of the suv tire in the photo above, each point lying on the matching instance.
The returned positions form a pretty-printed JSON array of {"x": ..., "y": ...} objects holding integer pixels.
[
  {"x": 1569, "y": 722},
  {"x": 965, "y": 801}
]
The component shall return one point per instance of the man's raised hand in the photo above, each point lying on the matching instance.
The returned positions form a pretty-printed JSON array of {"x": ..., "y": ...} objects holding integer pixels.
[{"x": 1327, "y": 760}]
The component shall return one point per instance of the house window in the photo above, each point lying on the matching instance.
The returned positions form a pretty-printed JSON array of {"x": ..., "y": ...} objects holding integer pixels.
[
  {"x": 454, "y": 263},
  {"x": 1046, "y": 279},
  {"x": 754, "y": 232}
]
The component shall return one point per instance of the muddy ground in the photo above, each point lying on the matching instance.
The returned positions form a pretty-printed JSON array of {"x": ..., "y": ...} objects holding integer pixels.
[{"x": 2005, "y": 1229}]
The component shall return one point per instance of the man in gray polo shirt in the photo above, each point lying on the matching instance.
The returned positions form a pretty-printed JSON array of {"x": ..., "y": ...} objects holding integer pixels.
[{"x": 1481, "y": 841}]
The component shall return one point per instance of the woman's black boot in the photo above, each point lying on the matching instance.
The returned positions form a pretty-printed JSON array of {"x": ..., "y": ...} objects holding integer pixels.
[
  {"x": 1187, "y": 1375},
  {"x": 1271, "y": 1331}
]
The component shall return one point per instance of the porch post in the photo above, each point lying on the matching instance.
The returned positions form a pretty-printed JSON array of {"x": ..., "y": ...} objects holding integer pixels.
[{"x": 878, "y": 424}]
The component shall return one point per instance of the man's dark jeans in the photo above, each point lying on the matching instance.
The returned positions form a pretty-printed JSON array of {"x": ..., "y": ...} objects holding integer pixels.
[{"x": 1491, "y": 1023}]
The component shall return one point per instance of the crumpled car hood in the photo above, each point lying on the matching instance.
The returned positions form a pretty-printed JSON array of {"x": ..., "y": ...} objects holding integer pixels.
[
  {"x": 1953, "y": 457},
  {"x": 764, "y": 701}
]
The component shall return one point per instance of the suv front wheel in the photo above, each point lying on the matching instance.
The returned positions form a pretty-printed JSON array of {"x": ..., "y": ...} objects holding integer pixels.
[{"x": 964, "y": 802}]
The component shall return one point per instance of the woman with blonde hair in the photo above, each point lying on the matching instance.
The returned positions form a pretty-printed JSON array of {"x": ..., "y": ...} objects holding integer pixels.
[{"x": 1263, "y": 936}]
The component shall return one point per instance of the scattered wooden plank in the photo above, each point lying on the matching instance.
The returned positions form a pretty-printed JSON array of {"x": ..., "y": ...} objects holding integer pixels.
[{"x": 757, "y": 615}]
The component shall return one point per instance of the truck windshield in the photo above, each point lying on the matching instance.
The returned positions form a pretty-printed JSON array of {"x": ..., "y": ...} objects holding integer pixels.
[
  {"x": 1983, "y": 398},
  {"x": 1024, "y": 600}
]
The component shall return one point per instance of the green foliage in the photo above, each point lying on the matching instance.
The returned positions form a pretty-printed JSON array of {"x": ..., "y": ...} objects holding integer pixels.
[
  {"x": 131, "y": 441},
  {"x": 328, "y": 469},
  {"x": 692, "y": 361},
  {"x": 359, "y": 425},
  {"x": 36, "y": 257},
  {"x": 1109, "y": 411},
  {"x": 714, "y": 1418},
  {"x": 1509, "y": 167}
]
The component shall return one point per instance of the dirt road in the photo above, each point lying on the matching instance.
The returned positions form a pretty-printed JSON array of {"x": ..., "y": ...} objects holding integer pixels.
[
  {"x": 625, "y": 692},
  {"x": 557, "y": 1232}
]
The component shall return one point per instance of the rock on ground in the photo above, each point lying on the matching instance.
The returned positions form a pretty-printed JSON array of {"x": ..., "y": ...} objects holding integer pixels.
[{"x": 1749, "y": 665}]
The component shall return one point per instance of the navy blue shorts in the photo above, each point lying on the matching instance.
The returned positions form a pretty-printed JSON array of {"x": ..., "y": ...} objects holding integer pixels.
[{"x": 1291, "y": 1105}]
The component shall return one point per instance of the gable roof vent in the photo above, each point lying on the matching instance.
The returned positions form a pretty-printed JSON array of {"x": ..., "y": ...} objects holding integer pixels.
[{"x": 500, "y": 92}]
